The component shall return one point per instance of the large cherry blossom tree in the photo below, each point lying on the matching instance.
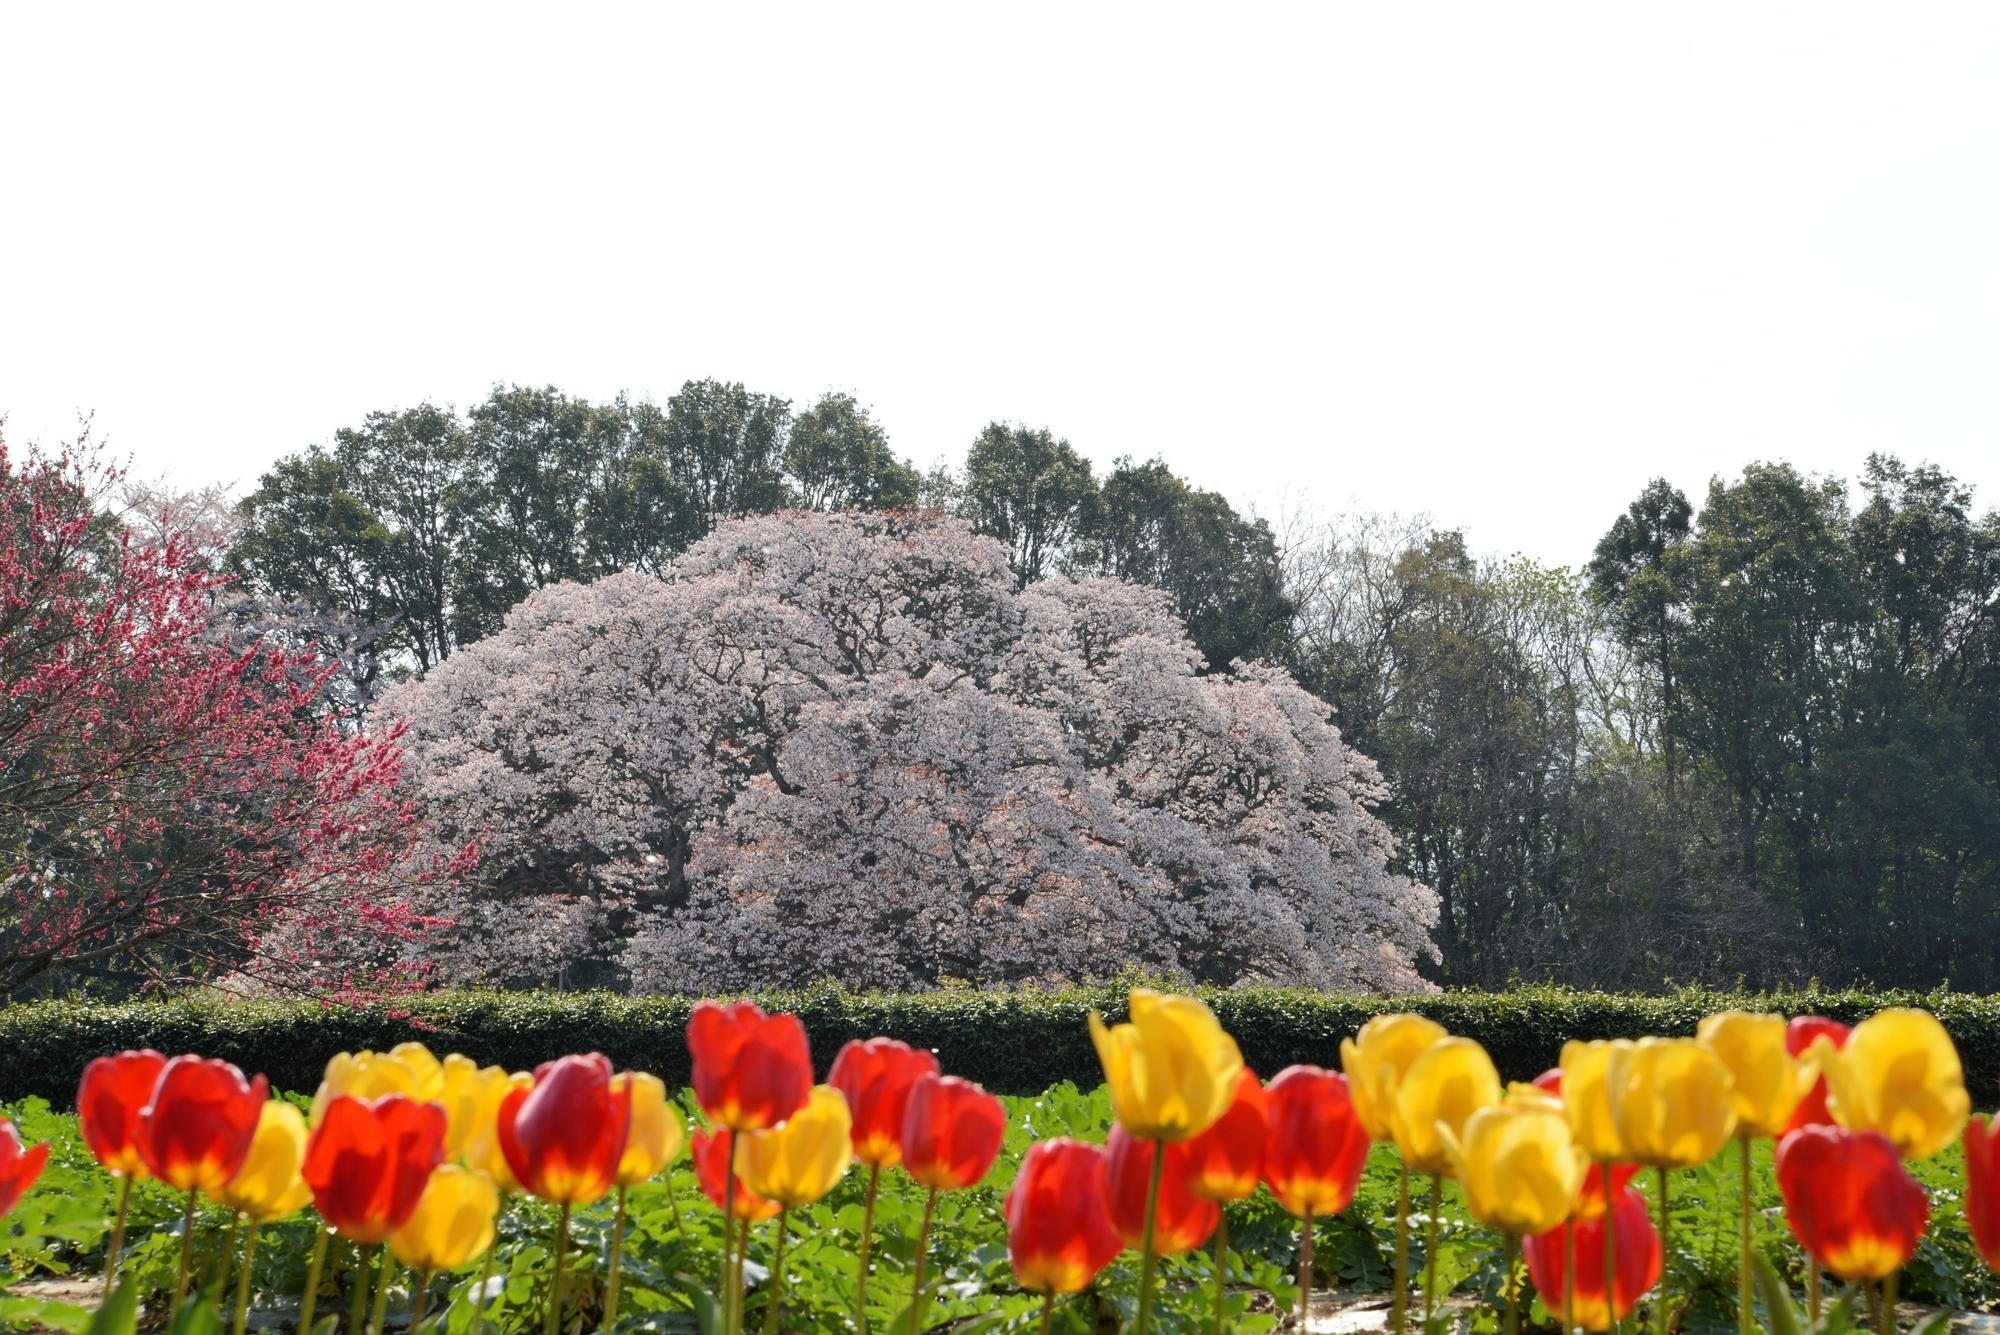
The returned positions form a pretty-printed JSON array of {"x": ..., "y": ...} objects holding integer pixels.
[{"x": 844, "y": 746}]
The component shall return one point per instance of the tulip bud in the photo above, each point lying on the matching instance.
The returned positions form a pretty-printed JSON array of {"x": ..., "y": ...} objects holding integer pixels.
[
  {"x": 1171, "y": 1068},
  {"x": 799, "y": 1162},
  {"x": 1518, "y": 1166},
  {"x": 1223, "y": 1161},
  {"x": 1678, "y": 1107},
  {"x": 1801, "y": 1032},
  {"x": 1059, "y": 1233},
  {"x": 18, "y": 1168},
  {"x": 565, "y": 1138},
  {"x": 1982, "y": 1188},
  {"x": 1849, "y": 1200},
  {"x": 952, "y": 1131},
  {"x": 875, "y": 1078},
  {"x": 367, "y": 1075},
  {"x": 1450, "y": 1081},
  {"x": 1376, "y": 1060},
  {"x": 1181, "y": 1222},
  {"x": 453, "y": 1221},
  {"x": 368, "y": 1160},
  {"x": 1899, "y": 1074},
  {"x": 1636, "y": 1253},
  {"x": 712, "y": 1150},
  {"x": 657, "y": 1134},
  {"x": 269, "y": 1185},
  {"x": 751, "y": 1070},
  {"x": 108, "y": 1101},
  {"x": 1593, "y": 1078},
  {"x": 482, "y": 1137},
  {"x": 1317, "y": 1146},
  {"x": 197, "y": 1130},
  {"x": 1766, "y": 1079}
]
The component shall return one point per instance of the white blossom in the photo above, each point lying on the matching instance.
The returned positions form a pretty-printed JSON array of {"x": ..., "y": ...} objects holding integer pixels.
[{"x": 844, "y": 746}]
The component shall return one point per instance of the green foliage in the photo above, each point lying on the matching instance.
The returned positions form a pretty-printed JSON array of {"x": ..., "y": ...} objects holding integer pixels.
[{"x": 1013, "y": 1042}]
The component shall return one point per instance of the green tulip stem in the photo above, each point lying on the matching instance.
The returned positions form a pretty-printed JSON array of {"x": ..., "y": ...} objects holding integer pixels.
[
  {"x": 481, "y": 1305},
  {"x": 1611, "y": 1255},
  {"x": 1743, "y": 1322},
  {"x": 917, "y": 1303},
  {"x": 243, "y": 1280},
  {"x": 117, "y": 1237},
  {"x": 310, "y": 1298},
  {"x": 1812, "y": 1286},
  {"x": 357, "y": 1302},
  {"x": 1048, "y": 1310},
  {"x": 1660, "y": 1297},
  {"x": 1399, "y": 1299},
  {"x": 674, "y": 1204},
  {"x": 1305, "y": 1268},
  {"x": 861, "y": 1264},
  {"x": 228, "y": 1260},
  {"x": 1431, "y": 1250},
  {"x": 385, "y": 1273},
  {"x": 1569, "y": 1276},
  {"x": 553, "y": 1321},
  {"x": 417, "y": 1302},
  {"x": 1511, "y": 1246},
  {"x": 1888, "y": 1326},
  {"x": 732, "y": 1273},
  {"x": 187, "y": 1251},
  {"x": 1147, "y": 1261},
  {"x": 1874, "y": 1292},
  {"x": 777, "y": 1276},
  {"x": 617, "y": 1257},
  {"x": 1221, "y": 1265}
]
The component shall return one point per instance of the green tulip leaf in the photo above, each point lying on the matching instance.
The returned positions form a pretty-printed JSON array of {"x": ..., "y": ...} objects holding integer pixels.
[{"x": 120, "y": 1313}]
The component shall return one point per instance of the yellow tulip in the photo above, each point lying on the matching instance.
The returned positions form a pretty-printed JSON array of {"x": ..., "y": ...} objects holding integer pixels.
[
  {"x": 1593, "y": 1073},
  {"x": 1521, "y": 1094},
  {"x": 429, "y": 1071},
  {"x": 365, "y": 1075},
  {"x": 453, "y": 1221},
  {"x": 1518, "y": 1164},
  {"x": 1766, "y": 1078},
  {"x": 1375, "y": 1060},
  {"x": 800, "y": 1161},
  {"x": 1453, "y": 1079},
  {"x": 268, "y": 1185},
  {"x": 482, "y": 1141},
  {"x": 1677, "y": 1109},
  {"x": 1172, "y": 1069},
  {"x": 656, "y": 1135},
  {"x": 1899, "y": 1074},
  {"x": 468, "y": 1093}
]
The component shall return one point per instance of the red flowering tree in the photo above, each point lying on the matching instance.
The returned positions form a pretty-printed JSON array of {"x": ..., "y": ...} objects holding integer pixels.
[{"x": 169, "y": 806}]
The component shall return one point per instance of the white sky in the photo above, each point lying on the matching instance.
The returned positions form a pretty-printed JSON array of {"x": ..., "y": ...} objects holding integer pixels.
[{"x": 1498, "y": 262}]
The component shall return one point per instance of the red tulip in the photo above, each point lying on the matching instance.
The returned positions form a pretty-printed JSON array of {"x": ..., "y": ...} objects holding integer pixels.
[
  {"x": 197, "y": 1128},
  {"x": 1550, "y": 1081},
  {"x": 1224, "y": 1161},
  {"x": 1318, "y": 1146},
  {"x": 564, "y": 1137},
  {"x": 1059, "y": 1233},
  {"x": 1800, "y": 1031},
  {"x": 18, "y": 1170},
  {"x": 751, "y": 1070},
  {"x": 1181, "y": 1222},
  {"x": 710, "y": 1149},
  {"x": 875, "y": 1078},
  {"x": 369, "y": 1160},
  {"x": 108, "y": 1101},
  {"x": 1982, "y": 1188},
  {"x": 1637, "y": 1255},
  {"x": 1851, "y": 1203},
  {"x": 1590, "y": 1200},
  {"x": 951, "y": 1132}
]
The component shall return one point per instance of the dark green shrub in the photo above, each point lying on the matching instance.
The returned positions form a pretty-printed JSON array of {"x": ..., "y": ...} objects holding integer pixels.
[{"x": 1013, "y": 1042}]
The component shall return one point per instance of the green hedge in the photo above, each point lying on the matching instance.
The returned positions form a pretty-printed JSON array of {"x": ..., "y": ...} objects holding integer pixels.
[{"x": 1012, "y": 1042}]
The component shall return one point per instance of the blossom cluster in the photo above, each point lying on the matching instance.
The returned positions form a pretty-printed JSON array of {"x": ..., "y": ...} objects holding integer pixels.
[{"x": 846, "y": 746}]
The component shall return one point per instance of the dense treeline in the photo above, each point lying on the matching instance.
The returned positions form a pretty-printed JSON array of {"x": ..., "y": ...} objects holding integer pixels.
[{"x": 1751, "y": 743}]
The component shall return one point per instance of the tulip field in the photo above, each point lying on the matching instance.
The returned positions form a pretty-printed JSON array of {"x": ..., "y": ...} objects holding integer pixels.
[{"x": 410, "y": 1188}]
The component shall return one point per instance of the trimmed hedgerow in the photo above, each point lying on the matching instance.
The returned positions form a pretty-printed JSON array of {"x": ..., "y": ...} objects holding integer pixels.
[{"x": 1012, "y": 1042}]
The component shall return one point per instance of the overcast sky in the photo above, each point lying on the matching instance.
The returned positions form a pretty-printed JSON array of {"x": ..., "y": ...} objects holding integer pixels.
[{"x": 1498, "y": 262}]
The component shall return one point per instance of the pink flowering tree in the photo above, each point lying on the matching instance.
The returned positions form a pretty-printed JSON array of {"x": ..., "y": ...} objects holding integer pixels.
[
  {"x": 845, "y": 746},
  {"x": 170, "y": 807}
]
